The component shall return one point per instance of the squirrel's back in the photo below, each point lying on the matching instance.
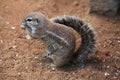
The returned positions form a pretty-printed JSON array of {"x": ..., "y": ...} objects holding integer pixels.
[{"x": 86, "y": 32}]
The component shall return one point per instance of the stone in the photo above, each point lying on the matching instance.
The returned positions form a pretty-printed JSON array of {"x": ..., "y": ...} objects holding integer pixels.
[
  {"x": 104, "y": 7},
  {"x": 13, "y": 28},
  {"x": 106, "y": 74}
]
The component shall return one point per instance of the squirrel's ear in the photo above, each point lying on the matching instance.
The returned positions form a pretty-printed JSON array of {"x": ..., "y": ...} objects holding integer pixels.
[{"x": 38, "y": 20}]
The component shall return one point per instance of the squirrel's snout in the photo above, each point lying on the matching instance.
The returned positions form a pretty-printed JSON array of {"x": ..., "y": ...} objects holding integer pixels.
[{"x": 22, "y": 26}]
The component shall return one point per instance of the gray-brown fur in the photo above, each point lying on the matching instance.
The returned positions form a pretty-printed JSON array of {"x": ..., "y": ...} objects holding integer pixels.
[
  {"x": 88, "y": 43},
  {"x": 58, "y": 36}
]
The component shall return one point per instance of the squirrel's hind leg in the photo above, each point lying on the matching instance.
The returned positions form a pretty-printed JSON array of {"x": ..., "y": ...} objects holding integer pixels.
[{"x": 61, "y": 57}]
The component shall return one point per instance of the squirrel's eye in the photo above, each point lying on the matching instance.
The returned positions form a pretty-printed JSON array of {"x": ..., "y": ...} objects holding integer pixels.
[
  {"x": 32, "y": 21},
  {"x": 29, "y": 20}
]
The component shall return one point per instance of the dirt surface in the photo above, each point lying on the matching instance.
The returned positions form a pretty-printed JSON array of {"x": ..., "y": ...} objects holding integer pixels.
[{"x": 20, "y": 57}]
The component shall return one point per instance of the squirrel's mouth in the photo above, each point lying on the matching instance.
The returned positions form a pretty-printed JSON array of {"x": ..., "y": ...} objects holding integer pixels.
[
  {"x": 26, "y": 27},
  {"x": 29, "y": 28}
]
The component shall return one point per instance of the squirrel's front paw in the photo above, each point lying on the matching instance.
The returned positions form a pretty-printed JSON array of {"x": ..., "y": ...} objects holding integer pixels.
[{"x": 28, "y": 37}]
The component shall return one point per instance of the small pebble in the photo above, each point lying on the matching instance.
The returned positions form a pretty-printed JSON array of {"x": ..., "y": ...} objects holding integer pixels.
[
  {"x": 13, "y": 28},
  {"x": 40, "y": 63},
  {"x": 118, "y": 41},
  {"x": 100, "y": 31},
  {"x": 19, "y": 73},
  {"x": 110, "y": 41},
  {"x": 104, "y": 46},
  {"x": 117, "y": 52},
  {"x": 26, "y": 67},
  {"x": 14, "y": 47},
  {"x": 115, "y": 77},
  {"x": 53, "y": 68},
  {"x": 106, "y": 74},
  {"x": 7, "y": 23},
  {"x": 108, "y": 67},
  {"x": 36, "y": 57},
  {"x": 99, "y": 44},
  {"x": 1, "y": 41},
  {"x": 17, "y": 55},
  {"x": 0, "y": 60}
]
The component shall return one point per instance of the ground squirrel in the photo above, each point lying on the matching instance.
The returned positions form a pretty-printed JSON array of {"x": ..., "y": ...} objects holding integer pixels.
[{"x": 57, "y": 34}]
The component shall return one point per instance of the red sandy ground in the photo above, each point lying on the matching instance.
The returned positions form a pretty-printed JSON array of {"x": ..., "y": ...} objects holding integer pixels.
[{"x": 20, "y": 57}]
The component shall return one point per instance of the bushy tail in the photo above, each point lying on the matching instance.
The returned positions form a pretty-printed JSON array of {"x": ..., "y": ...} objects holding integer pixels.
[{"x": 85, "y": 30}]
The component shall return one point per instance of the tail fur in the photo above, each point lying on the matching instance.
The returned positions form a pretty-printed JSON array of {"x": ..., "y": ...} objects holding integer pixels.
[{"x": 88, "y": 43}]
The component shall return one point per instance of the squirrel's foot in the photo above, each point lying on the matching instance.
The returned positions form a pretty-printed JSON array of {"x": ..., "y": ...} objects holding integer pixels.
[
  {"x": 80, "y": 64},
  {"x": 52, "y": 66}
]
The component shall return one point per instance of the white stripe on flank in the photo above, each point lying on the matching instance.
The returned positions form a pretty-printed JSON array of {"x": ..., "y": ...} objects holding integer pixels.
[{"x": 57, "y": 36}]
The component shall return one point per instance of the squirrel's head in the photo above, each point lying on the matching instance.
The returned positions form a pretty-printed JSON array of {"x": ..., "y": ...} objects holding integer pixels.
[{"x": 35, "y": 24}]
